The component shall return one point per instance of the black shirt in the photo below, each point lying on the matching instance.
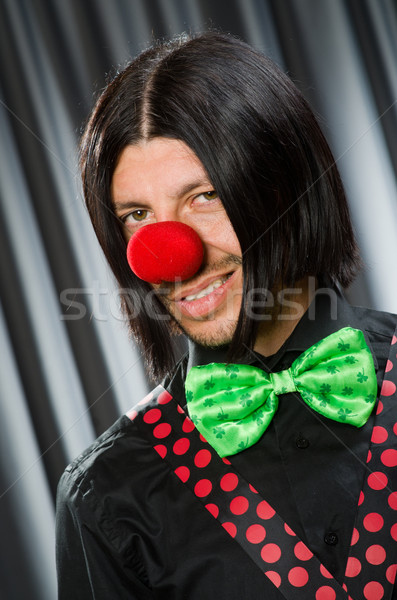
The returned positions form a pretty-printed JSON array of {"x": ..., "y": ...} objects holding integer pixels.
[{"x": 127, "y": 527}]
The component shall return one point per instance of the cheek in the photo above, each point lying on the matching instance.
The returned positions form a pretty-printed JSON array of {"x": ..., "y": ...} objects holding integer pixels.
[
  {"x": 232, "y": 240},
  {"x": 227, "y": 239},
  {"x": 218, "y": 232}
]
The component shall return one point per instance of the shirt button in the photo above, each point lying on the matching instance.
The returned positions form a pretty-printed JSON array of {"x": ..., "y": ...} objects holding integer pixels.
[
  {"x": 331, "y": 538},
  {"x": 302, "y": 442}
]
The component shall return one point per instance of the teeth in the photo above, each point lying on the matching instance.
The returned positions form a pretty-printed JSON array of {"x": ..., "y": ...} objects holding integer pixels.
[{"x": 213, "y": 286}]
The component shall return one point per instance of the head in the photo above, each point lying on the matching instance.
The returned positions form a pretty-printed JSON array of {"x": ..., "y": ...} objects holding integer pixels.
[{"x": 255, "y": 138}]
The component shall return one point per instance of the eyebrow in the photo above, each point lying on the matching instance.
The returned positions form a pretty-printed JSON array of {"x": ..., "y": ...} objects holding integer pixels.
[{"x": 182, "y": 191}]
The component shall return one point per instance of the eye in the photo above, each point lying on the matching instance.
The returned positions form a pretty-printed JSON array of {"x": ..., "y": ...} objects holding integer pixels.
[
  {"x": 211, "y": 195},
  {"x": 136, "y": 215},
  {"x": 206, "y": 197}
]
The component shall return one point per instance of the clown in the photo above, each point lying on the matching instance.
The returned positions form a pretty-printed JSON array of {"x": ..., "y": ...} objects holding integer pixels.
[{"x": 262, "y": 465}]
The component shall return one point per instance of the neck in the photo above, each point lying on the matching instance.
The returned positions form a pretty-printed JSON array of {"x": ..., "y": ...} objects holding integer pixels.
[{"x": 290, "y": 304}]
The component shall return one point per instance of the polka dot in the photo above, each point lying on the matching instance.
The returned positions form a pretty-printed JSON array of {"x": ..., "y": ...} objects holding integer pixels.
[
  {"x": 393, "y": 531},
  {"x": 183, "y": 473},
  {"x": 164, "y": 397},
  {"x": 325, "y": 593},
  {"x": 392, "y": 500},
  {"x": 389, "y": 458},
  {"x": 274, "y": 578},
  {"x": 187, "y": 425},
  {"x": 289, "y": 530},
  {"x": 162, "y": 430},
  {"x": 203, "y": 488},
  {"x": 131, "y": 414},
  {"x": 355, "y": 537},
  {"x": 161, "y": 449},
  {"x": 255, "y": 534},
  {"x": 181, "y": 446},
  {"x": 239, "y": 505},
  {"x": 388, "y": 388},
  {"x": 202, "y": 458},
  {"x": 252, "y": 489},
  {"x": 230, "y": 528},
  {"x": 373, "y": 522},
  {"x": 226, "y": 461},
  {"x": 146, "y": 399},
  {"x": 395, "y": 428},
  {"x": 375, "y": 554},
  {"x": 264, "y": 510},
  {"x": 361, "y": 498},
  {"x": 379, "y": 435},
  {"x": 270, "y": 553},
  {"x": 229, "y": 482},
  {"x": 379, "y": 408},
  {"x": 373, "y": 591},
  {"x": 325, "y": 573},
  {"x": 353, "y": 567},
  {"x": 389, "y": 366},
  {"x": 377, "y": 480},
  {"x": 302, "y": 552},
  {"x": 202, "y": 438},
  {"x": 213, "y": 509},
  {"x": 298, "y": 577},
  {"x": 369, "y": 456},
  {"x": 394, "y": 340},
  {"x": 180, "y": 410},
  {"x": 391, "y": 573}
]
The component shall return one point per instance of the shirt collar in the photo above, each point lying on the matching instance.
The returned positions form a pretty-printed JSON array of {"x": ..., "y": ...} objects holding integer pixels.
[{"x": 328, "y": 312}]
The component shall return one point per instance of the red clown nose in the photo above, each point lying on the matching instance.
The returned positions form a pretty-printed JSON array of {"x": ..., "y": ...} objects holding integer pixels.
[{"x": 165, "y": 251}]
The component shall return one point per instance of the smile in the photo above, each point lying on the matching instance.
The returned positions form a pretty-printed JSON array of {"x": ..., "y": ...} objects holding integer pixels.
[
  {"x": 199, "y": 303},
  {"x": 208, "y": 290}
]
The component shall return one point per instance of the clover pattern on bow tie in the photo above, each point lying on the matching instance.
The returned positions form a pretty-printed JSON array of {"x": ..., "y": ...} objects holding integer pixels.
[
  {"x": 232, "y": 371},
  {"x": 232, "y": 405}
]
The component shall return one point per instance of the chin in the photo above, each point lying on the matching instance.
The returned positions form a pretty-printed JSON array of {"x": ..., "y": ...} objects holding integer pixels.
[{"x": 222, "y": 335}]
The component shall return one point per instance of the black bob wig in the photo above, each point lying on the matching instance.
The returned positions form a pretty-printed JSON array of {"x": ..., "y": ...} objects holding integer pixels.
[{"x": 264, "y": 153}]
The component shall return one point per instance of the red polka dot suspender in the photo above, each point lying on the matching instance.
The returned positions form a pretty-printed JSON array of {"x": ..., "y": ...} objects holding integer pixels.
[
  {"x": 254, "y": 524},
  {"x": 372, "y": 563}
]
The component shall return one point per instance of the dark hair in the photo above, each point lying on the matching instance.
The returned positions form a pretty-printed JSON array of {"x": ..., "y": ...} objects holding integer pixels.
[{"x": 264, "y": 153}]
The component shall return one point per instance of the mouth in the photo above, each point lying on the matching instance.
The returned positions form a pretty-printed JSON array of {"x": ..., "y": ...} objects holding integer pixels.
[
  {"x": 201, "y": 302},
  {"x": 214, "y": 285}
]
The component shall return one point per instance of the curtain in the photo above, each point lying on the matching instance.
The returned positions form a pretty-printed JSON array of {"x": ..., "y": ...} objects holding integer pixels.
[{"x": 68, "y": 368}]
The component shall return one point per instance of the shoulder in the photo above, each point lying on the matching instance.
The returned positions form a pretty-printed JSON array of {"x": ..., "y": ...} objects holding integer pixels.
[
  {"x": 123, "y": 451},
  {"x": 122, "y": 457},
  {"x": 375, "y": 321},
  {"x": 108, "y": 488},
  {"x": 380, "y": 331},
  {"x": 103, "y": 499},
  {"x": 103, "y": 462},
  {"x": 380, "y": 328}
]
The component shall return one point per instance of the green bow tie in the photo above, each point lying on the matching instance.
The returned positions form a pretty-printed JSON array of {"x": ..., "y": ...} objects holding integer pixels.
[{"x": 232, "y": 405}]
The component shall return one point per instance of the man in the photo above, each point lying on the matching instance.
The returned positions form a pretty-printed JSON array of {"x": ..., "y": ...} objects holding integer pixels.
[{"x": 209, "y": 133}]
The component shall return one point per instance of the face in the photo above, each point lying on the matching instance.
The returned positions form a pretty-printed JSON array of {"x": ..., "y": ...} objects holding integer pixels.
[{"x": 163, "y": 180}]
